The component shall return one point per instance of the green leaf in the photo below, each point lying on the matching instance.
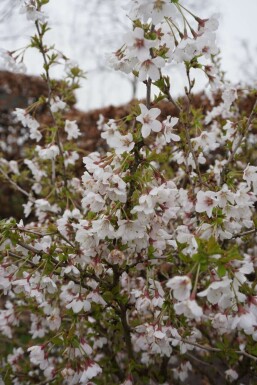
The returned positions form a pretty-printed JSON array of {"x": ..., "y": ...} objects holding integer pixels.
[
  {"x": 57, "y": 341},
  {"x": 221, "y": 271},
  {"x": 159, "y": 97}
]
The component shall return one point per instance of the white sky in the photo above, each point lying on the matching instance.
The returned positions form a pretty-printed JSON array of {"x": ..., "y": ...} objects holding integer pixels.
[{"x": 84, "y": 34}]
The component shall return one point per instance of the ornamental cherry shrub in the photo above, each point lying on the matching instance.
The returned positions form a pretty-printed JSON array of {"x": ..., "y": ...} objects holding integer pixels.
[{"x": 143, "y": 270}]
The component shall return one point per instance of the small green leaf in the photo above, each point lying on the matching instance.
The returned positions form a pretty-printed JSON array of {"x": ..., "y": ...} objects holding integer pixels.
[{"x": 221, "y": 271}]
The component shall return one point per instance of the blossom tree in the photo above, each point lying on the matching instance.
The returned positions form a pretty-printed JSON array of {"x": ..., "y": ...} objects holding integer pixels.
[{"x": 142, "y": 271}]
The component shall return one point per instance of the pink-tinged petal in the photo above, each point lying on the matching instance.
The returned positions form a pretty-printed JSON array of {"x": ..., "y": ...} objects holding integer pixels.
[
  {"x": 158, "y": 334},
  {"x": 77, "y": 306},
  {"x": 146, "y": 130},
  {"x": 156, "y": 126},
  {"x": 173, "y": 121},
  {"x": 87, "y": 306},
  {"x": 154, "y": 73},
  {"x": 140, "y": 118},
  {"x": 142, "y": 73},
  {"x": 143, "y": 109},
  {"x": 138, "y": 33},
  {"x": 154, "y": 112},
  {"x": 143, "y": 54},
  {"x": 175, "y": 137},
  {"x": 159, "y": 62}
]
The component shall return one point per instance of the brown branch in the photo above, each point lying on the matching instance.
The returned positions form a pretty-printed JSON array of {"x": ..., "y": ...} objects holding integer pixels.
[
  {"x": 30, "y": 248},
  {"x": 126, "y": 331},
  {"x": 21, "y": 258},
  {"x": 148, "y": 92}
]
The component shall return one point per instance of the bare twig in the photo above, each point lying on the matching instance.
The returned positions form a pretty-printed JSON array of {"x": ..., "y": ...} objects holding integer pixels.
[
  {"x": 188, "y": 139},
  {"x": 216, "y": 350},
  {"x": 186, "y": 129},
  {"x": 48, "y": 80},
  {"x": 17, "y": 187},
  {"x": 148, "y": 92},
  {"x": 21, "y": 258},
  {"x": 252, "y": 231},
  {"x": 252, "y": 116}
]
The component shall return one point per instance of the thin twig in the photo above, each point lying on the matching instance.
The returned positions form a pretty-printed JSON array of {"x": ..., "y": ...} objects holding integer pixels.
[
  {"x": 198, "y": 360},
  {"x": 30, "y": 248},
  {"x": 16, "y": 185},
  {"x": 22, "y": 259},
  {"x": 193, "y": 153},
  {"x": 215, "y": 350},
  {"x": 252, "y": 231},
  {"x": 148, "y": 92},
  {"x": 170, "y": 99},
  {"x": 48, "y": 80},
  {"x": 252, "y": 116},
  {"x": 186, "y": 129}
]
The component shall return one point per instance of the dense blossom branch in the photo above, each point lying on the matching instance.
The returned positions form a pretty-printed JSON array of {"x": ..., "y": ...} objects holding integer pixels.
[{"x": 119, "y": 275}]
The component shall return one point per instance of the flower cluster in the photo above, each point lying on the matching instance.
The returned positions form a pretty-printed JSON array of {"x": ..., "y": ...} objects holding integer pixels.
[{"x": 167, "y": 38}]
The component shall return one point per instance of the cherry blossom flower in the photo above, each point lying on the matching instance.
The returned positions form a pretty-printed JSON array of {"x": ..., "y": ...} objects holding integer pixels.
[
  {"x": 32, "y": 13},
  {"x": 181, "y": 372},
  {"x": 93, "y": 201},
  {"x": 50, "y": 152},
  {"x": 150, "y": 68},
  {"x": 14, "y": 357},
  {"x": 130, "y": 230},
  {"x": 246, "y": 322},
  {"x": 250, "y": 175},
  {"x": 216, "y": 290},
  {"x": 206, "y": 201},
  {"x": 169, "y": 123},
  {"x": 37, "y": 356},
  {"x": 231, "y": 375},
  {"x": 77, "y": 304},
  {"x": 116, "y": 257},
  {"x": 154, "y": 9},
  {"x": 92, "y": 370},
  {"x": 71, "y": 269},
  {"x": 181, "y": 287},
  {"x": 119, "y": 62},
  {"x": 225, "y": 196},
  {"x": 27, "y": 121},
  {"x": 207, "y": 141},
  {"x": 57, "y": 104},
  {"x": 8, "y": 62},
  {"x": 70, "y": 158},
  {"x": 189, "y": 308},
  {"x": 139, "y": 47},
  {"x": 54, "y": 319},
  {"x": 211, "y": 24},
  {"x": 148, "y": 120},
  {"x": 72, "y": 129},
  {"x": 123, "y": 143}
]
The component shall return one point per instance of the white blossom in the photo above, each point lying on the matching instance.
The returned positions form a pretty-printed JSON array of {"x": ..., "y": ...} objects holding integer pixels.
[{"x": 148, "y": 120}]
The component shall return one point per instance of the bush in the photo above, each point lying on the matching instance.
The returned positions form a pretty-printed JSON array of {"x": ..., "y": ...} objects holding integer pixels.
[{"x": 143, "y": 271}]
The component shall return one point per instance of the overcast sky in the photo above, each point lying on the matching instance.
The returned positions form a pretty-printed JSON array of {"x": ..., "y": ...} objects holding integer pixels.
[{"x": 85, "y": 31}]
